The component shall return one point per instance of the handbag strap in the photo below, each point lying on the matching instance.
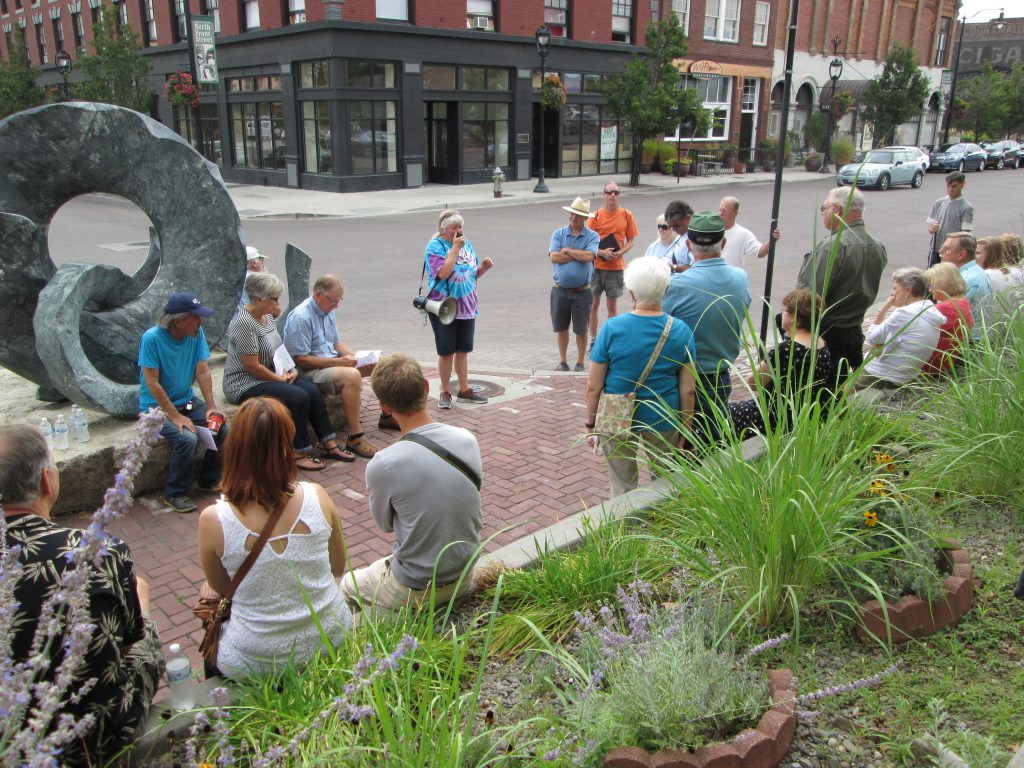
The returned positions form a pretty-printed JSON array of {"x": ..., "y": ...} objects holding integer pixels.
[
  {"x": 654, "y": 355},
  {"x": 261, "y": 542},
  {"x": 445, "y": 454}
]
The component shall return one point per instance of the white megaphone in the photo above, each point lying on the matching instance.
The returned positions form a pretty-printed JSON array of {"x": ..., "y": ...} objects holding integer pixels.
[{"x": 445, "y": 310}]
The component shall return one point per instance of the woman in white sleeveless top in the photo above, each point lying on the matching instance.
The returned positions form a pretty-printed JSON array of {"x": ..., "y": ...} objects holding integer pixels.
[{"x": 270, "y": 619}]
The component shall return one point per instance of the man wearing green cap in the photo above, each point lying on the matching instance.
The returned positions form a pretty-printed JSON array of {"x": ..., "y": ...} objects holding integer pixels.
[{"x": 712, "y": 298}]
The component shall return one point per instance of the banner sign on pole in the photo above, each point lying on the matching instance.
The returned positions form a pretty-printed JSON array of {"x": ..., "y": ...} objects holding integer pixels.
[{"x": 206, "y": 50}]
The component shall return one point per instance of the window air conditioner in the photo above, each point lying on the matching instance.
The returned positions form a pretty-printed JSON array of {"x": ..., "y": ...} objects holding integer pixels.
[{"x": 481, "y": 22}]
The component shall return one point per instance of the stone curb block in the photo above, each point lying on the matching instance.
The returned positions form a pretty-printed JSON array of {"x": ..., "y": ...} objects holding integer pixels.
[
  {"x": 763, "y": 747},
  {"x": 915, "y": 617}
]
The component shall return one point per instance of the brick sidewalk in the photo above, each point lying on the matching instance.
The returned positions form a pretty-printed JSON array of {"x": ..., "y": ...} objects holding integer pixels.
[{"x": 537, "y": 470}]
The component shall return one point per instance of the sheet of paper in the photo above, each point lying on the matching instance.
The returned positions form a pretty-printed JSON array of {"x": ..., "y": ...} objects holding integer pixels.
[
  {"x": 206, "y": 438},
  {"x": 367, "y": 357},
  {"x": 282, "y": 361}
]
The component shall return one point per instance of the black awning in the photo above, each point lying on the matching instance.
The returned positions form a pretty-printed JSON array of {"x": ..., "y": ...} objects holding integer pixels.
[{"x": 855, "y": 88}]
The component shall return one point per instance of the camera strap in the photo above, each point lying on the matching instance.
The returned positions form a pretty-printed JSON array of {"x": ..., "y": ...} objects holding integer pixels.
[{"x": 445, "y": 454}]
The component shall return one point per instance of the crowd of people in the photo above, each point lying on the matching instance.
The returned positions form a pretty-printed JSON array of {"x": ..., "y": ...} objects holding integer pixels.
[{"x": 671, "y": 354}]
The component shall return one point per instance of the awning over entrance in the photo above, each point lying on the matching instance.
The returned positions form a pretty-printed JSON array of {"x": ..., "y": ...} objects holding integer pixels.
[{"x": 855, "y": 88}]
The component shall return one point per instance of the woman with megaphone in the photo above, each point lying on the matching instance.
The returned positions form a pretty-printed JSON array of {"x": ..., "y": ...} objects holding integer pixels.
[{"x": 453, "y": 268}]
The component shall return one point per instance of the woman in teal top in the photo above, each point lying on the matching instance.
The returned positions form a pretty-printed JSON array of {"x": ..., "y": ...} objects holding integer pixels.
[{"x": 621, "y": 351}]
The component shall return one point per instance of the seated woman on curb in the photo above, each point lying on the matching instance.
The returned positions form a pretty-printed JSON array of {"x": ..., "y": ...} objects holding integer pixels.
[
  {"x": 799, "y": 362},
  {"x": 270, "y": 619},
  {"x": 249, "y": 371},
  {"x": 948, "y": 288},
  {"x": 1000, "y": 260},
  {"x": 905, "y": 340}
]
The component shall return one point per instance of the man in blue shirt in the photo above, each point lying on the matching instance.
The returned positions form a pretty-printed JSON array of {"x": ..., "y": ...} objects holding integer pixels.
[
  {"x": 171, "y": 355},
  {"x": 959, "y": 249},
  {"x": 311, "y": 338},
  {"x": 572, "y": 252},
  {"x": 713, "y": 299}
]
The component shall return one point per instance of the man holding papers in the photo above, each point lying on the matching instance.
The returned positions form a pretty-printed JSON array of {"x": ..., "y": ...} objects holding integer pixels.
[
  {"x": 618, "y": 231},
  {"x": 258, "y": 365},
  {"x": 171, "y": 355},
  {"x": 321, "y": 357}
]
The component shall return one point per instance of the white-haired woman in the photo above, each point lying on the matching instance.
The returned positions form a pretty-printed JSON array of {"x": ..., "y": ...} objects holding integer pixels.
[
  {"x": 670, "y": 247},
  {"x": 949, "y": 289},
  {"x": 625, "y": 346},
  {"x": 453, "y": 268},
  {"x": 902, "y": 342},
  {"x": 250, "y": 371}
]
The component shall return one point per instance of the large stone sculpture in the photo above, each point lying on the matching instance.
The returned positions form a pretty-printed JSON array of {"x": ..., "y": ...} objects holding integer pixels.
[{"x": 75, "y": 330}]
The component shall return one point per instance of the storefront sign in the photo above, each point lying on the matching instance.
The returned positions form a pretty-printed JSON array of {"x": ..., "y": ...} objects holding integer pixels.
[
  {"x": 705, "y": 69},
  {"x": 206, "y": 50},
  {"x": 609, "y": 138}
]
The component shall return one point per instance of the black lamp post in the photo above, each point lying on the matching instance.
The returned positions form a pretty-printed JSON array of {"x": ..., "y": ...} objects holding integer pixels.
[
  {"x": 956, "y": 66},
  {"x": 543, "y": 37},
  {"x": 63, "y": 64},
  {"x": 835, "y": 71}
]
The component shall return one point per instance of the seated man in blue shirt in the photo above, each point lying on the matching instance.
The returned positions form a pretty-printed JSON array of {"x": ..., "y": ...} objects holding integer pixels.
[
  {"x": 959, "y": 249},
  {"x": 171, "y": 355},
  {"x": 572, "y": 252},
  {"x": 311, "y": 338},
  {"x": 713, "y": 299}
]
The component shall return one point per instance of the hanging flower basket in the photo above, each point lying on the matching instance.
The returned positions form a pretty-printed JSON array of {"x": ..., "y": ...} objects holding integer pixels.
[
  {"x": 841, "y": 104},
  {"x": 181, "y": 91},
  {"x": 552, "y": 93}
]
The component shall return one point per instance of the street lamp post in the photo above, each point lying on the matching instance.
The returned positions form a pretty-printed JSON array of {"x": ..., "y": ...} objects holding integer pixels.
[
  {"x": 956, "y": 66},
  {"x": 63, "y": 64},
  {"x": 835, "y": 71},
  {"x": 543, "y": 37}
]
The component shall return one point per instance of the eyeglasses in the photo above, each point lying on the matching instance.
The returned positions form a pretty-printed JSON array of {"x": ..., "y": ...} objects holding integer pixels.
[
  {"x": 611, "y": 192},
  {"x": 663, "y": 226},
  {"x": 827, "y": 206}
]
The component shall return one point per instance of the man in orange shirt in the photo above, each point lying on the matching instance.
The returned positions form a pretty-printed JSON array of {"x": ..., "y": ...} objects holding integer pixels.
[{"x": 611, "y": 220}]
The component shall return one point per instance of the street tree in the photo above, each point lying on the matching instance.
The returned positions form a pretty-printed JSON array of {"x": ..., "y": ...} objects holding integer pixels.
[
  {"x": 1011, "y": 90},
  {"x": 647, "y": 96},
  {"x": 983, "y": 108},
  {"x": 18, "y": 89},
  {"x": 897, "y": 95},
  {"x": 117, "y": 72}
]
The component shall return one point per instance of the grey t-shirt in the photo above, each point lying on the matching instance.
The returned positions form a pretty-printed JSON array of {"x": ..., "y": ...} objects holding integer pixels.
[
  {"x": 953, "y": 216},
  {"x": 429, "y": 504}
]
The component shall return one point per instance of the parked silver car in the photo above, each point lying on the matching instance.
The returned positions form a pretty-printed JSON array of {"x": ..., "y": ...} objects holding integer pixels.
[{"x": 883, "y": 168}]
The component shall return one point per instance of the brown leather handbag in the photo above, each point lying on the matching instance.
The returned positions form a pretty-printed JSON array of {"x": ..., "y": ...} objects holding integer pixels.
[{"x": 213, "y": 609}]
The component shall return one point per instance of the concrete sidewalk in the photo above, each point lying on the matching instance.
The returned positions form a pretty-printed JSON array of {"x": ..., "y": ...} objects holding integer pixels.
[{"x": 281, "y": 202}]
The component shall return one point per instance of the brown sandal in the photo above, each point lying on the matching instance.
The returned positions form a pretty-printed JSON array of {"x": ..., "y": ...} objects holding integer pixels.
[
  {"x": 310, "y": 463},
  {"x": 360, "y": 446}
]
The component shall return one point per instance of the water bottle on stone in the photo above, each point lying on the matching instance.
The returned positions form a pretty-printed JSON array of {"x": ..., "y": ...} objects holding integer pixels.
[
  {"x": 83, "y": 426},
  {"x": 179, "y": 678},
  {"x": 73, "y": 422},
  {"x": 46, "y": 432},
  {"x": 60, "y": 433}
]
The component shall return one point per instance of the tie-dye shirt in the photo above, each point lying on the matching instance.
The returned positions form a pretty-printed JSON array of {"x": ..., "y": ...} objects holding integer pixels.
[{"x": 461, "y": 283}]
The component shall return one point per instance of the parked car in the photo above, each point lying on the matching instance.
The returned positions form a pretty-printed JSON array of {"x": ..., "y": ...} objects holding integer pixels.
[
  {"x": 963, "y": 156},
  {"x": 1002, "y": 153},
  {"x": 883, "y": 168},
  {"x": 919, "y": 155}
]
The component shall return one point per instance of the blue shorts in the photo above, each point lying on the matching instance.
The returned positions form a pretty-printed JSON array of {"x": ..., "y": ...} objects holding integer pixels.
[{"x": 456, "y": 337}]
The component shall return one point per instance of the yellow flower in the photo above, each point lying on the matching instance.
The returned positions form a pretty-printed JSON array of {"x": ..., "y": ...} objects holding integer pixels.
[
  {"x": 877, "y": 488},
  {"x": 871, "y": 518},
  {"x": 883, "y": 458}
]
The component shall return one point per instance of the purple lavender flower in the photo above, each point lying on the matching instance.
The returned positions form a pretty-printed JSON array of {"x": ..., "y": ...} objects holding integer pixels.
[
  {"x": 836, "y": 690},
  {"x": 766, "y": 645}
]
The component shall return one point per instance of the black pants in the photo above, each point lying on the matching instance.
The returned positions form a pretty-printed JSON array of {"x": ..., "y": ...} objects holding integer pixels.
[{"x": 846, "y": 345}]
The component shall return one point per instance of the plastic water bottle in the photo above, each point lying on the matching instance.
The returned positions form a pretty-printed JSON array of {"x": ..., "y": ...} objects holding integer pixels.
[
  {"x": 73, "y": 422},
  {"x": 60, "y": 433},
  {"x": 47, "y": 433},
  {"x": 83, "y": 426},
  {"x": 179, "y": 678}
]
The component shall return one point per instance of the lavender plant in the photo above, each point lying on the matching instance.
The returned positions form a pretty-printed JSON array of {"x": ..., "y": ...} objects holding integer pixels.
[{"x": 35, "y": 729}]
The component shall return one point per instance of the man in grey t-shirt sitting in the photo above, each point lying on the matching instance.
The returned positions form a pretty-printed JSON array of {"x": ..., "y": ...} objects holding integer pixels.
[{"x": 424, "y": 496}]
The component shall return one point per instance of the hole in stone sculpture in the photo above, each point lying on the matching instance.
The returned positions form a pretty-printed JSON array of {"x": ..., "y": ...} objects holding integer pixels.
[{"x": 102, "y": 229}]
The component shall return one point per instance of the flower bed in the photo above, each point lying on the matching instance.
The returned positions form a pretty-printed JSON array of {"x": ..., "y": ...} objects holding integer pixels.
[
  {"x": 761, "y": 747},
  {"x": 912, "y": 616}
]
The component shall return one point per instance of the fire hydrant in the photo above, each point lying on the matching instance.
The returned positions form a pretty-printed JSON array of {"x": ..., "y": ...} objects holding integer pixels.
[{"x": 497, "y": 177}]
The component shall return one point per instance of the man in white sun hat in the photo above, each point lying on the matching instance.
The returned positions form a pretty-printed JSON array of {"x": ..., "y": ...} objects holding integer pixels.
[
  {"x": 253, "y": 263},
  {"x": 572, "y": 253}
]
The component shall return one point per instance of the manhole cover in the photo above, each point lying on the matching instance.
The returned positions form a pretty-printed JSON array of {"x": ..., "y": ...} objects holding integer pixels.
[{"x": 486, "y": 388}]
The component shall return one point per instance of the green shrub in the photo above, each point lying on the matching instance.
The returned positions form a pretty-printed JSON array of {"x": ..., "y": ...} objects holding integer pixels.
[{"x": 841, "y": 151}]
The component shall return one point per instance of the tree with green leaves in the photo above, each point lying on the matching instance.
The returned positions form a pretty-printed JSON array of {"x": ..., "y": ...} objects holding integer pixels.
[
  {"x": 18, "y": 89},
  {"x": 1011, "y": 89},
  {"x": 647, "y": 96},
  {"x": 983, "y": 108},
  {"x": 117, "y": 72},
  {"x": 897, "y": 95}
]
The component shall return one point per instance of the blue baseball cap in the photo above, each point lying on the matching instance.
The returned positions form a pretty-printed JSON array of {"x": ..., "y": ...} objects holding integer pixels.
[{"x": 186, "y": 301}]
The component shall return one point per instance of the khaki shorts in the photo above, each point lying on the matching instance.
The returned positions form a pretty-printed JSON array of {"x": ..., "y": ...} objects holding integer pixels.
[
  {"x": 609, "y": 281},
  {"x": 322, "y": 377},
  {"x": 381, "y": 592}
]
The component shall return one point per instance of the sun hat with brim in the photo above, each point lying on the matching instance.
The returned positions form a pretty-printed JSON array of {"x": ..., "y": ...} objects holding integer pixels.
[
  {"x": 186, "y": 301},
  {"x": 705, "y": 228},
  {"x": 580, "y": 207},
  {"x": 251, "y": 254}
]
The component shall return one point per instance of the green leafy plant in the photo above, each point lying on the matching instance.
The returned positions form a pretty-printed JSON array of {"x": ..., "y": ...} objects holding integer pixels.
[{"x": 841, "y": 151}]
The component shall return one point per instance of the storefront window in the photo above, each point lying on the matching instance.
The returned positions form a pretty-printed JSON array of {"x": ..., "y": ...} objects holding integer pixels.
[
  {"x": 485, "y": 130},
  {"x": 438, "y": 77},
  {"x": 373, "y": 145},
  {"x": 371, "y": 74},
  {"x": 317, "y": 152},
  {"x": 593, "y": 141},
  {"x": 257, "y": 132},
  {"x": 314, "y": 74},
  {"x": 716, "y": 97},
  {"x": 485, "y": 79},
  {"x": 184, "y": 124}
]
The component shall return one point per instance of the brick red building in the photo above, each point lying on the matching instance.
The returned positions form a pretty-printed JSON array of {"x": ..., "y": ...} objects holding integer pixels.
[{"x": 369, "y": 94}]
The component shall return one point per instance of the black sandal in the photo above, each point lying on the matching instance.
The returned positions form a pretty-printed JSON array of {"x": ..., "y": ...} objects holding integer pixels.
[{"x": 337, "y": 453}]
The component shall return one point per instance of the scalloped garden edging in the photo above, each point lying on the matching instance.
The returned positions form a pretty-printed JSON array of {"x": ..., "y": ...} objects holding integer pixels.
[
  {"x": 915, "y": 617},
  {"x": 762, "y": 747}
]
